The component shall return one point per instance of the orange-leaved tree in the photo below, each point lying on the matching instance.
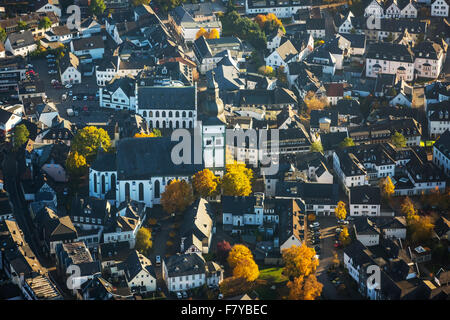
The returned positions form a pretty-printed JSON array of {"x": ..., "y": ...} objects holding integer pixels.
[
  {"x": 240, "y": 259},
  {"x": 304, "y": 288},
  {"x": 177, "y": 196},
  {"x": 300, "y": 265}
]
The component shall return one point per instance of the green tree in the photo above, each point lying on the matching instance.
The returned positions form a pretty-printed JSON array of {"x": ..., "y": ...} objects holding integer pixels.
[
  {"x": 347, "y": 142},
  {"x": 97, "y": 7},
  {"x": 2, "y": 34},
  {"x": 45, "y": 23},
  {"x": 88, "y": 140},
  {"x": 390, "y": 37},
  {"x": 398, "y": 140},
  {"x": 22, "y": 25},
  {"x": 143, "y": 240},
  {"x": 76, "y": 164},
  {"x": 316, "y": 147},
  {"x": 20, "y": 136}
]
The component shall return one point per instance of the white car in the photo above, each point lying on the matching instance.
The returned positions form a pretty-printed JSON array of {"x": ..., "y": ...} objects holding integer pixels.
[
  {"x": 179, "y": 296},
  {"x": 85, "y": 98},
  {"x": 68, "y": 86},
  {"x": 158, "y": 260},
  {"x": 74, "y": 98}
]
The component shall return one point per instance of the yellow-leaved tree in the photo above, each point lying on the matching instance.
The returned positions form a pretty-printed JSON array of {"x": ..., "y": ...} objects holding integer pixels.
[
  {"x": 240, "y": 259},
  {"x": 88, "y": 140},
  {"x": 299, "y": 261},
  {"x": 387, "y": 187},
  {"x": 76, "y": 164},
  {"x": 143, "y": 240},
  {"x": 201, "y": 32},
  {"x": 340, "y": 211},
  {"x": 205, "y": 183},
  {"x": 408, "y": 210},
  {"x": 344, "y": 237},
  {"x": 421, "y": 229},
  {"x": 238, "y": 180},
  {"x": 213, "y": 34},
  {"x": 177, "y": 196}
]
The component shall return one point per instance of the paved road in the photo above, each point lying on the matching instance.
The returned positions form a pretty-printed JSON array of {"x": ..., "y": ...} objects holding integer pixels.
[{"x": 327, "y": 229}]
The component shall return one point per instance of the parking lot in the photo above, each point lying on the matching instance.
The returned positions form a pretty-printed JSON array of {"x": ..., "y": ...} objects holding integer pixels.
[
  {"x": 326, "y": 244},
  {"x": 86, "y": 102}
]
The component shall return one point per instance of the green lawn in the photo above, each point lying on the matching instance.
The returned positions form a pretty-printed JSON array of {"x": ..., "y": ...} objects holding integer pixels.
[{"x": 272, "y": 275}]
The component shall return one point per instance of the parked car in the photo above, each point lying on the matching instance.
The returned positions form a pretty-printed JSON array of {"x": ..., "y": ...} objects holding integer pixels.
[
  {"x": 74, "y": 98},
  {"x": 316, "y": 224},
  {"x": 68, "y": 86},
  {"x": 85, "y": 98},
  {"x": 179, "y": 296},
  {"x": 185, "y": 295},
  {"x": 158, "y": 260},
  {"x": 52, "y": 72},
  {"x": 70, "y": 93},
  {"x": 350, "y": 218},
  {"x": 49, "y": 56}
]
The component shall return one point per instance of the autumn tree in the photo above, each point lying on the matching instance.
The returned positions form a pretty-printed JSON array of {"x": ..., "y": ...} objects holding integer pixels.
[
  {"x": 281, "y": 75},
  {"x": 20, "y": 136},
  {"x": 387, "y": 187},
  {"x": 312, "y": 102},
  {"x": 340, "y": 211},
  {"x": 154, "y": 133},
  {"x": 88, "y": 140},
  {"x": 344, "y": 236},
  {"x": 143, "y": 240},
  {"x": 316, "y": 147},
  {"x": 76, "y": 164},
  {"x": 398, "y": 140},
  {"x": 238, "y": 252},
  {"x": 347, "y": 142},
  {"x": 177, "y": 196},
  {"x": 246, "y": 269},
  {"x": 213, "y": 34},
  {"x": 299, "y": 261},
  {"x": 304, "y": 288},
  {"x": 420, "y": 229},
  {"x": 201, "y": 32},
  {"x": 240, "y": 259},
  {"x": 408, "y": 209},
  {"x": 237, "y": 181},
  {"x": 223, "y": 249},
  {"x": 300, "y": 265},
  {"x": 205, "y": 183},
  {"x": 266, "y": 71}
]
